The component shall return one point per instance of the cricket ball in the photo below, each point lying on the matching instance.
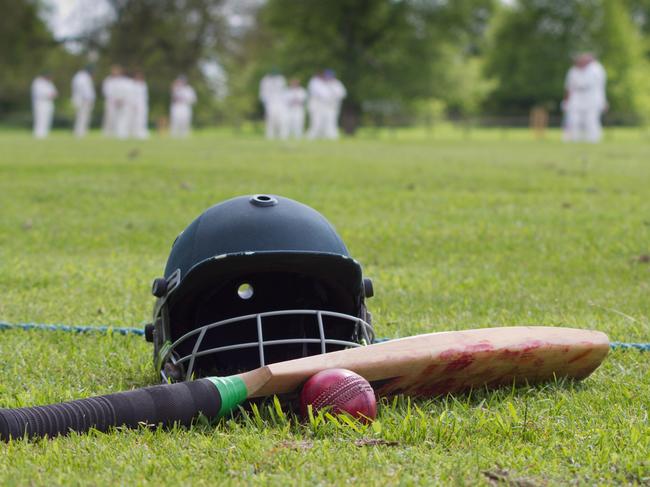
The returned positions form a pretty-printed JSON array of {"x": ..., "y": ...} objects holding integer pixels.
[{"x": 342, "y": 391}]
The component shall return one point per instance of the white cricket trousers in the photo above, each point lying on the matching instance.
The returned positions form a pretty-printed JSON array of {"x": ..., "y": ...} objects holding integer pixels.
[
  {"x": 82, "y": 118},
  {"x": 43, "y": 114},
  {"x": 180, "y": 120},
  {"x": 583, "y": 124},
  {"x": 276, "y": 121},
  {"x": 296, "y": 122}
]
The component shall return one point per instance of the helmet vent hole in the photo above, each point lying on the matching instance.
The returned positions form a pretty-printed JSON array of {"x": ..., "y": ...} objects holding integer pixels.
[
  {"x": 263, "y": 200},
  {"x": 245, "y": 291}
]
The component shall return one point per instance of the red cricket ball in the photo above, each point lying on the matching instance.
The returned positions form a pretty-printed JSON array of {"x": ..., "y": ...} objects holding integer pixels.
[{"x": 342, "y": 390}]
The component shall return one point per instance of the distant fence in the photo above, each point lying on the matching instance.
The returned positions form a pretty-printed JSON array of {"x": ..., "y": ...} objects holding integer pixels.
[
  {"x": 553, "y": 120},
  {"x": 369, "y": 120}
]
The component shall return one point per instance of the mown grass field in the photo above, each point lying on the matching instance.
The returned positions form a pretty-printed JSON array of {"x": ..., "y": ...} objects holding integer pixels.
[{"x": 458, "y": 231}]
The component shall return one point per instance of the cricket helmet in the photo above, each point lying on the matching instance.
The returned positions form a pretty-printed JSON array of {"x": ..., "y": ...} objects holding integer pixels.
[{"x": 252, "y": 281}]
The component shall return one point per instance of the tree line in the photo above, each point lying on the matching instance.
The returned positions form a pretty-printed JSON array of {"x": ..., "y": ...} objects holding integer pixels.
[{"x": 402, "y": 61}]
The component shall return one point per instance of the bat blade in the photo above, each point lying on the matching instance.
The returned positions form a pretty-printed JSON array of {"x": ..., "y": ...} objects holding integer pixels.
[
  {"x": 423, "y": 365},
  {"x": 448, "y": 362}
]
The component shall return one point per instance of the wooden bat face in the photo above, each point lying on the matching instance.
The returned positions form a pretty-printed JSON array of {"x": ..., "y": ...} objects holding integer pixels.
[
  {"x": 423, "y": 365},
  {"x": 439, "y": 363}
]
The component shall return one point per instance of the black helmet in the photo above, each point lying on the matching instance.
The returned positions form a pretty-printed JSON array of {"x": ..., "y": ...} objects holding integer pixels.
[{"x": 252, "y": 281}]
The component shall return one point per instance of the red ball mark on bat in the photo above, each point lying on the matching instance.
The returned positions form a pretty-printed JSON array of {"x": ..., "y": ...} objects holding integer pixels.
[
  {"x": 483, "y": 346},
  {"x": 462, "y": 361},
  {"x": 427, "y": 373},
  {"x": 580, "y": 356},
  {"x": 403, "y": 385},
  {"x": 428, "y": 370},
  {"x": 525, "y": 354},
  {"x": 532, "y": 345},
  {"x": 449, "y": 354},
  {"x": 509, "y": 354}
]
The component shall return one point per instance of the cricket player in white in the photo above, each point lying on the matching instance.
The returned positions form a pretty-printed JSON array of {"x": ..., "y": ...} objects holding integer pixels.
[
  {"x": 43, "y": 95},
  {"x": 183, "y": 97},
  {"x": 336, "y": 92},
  {"x": 121, "y": 96},
  {"x": 139, "y": 106},
  {"x": 295, "y": 97},
  {"x": 585, "y": 100},
  {"x": 316, "y": 106},
  {"x": 83, "y": 100},
  {"x": 272, "y": 95},
  {"x": 325, "y": 96},
  {"x": 112, "y": 86}
]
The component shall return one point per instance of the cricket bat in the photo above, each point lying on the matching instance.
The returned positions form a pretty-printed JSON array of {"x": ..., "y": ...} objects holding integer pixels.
[{"x": 420, "y": 366}]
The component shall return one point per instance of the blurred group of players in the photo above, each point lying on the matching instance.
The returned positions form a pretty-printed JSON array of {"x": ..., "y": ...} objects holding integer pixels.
[
  {"x": 285, "y": 104},
  {"x": 126, "y": 104}
]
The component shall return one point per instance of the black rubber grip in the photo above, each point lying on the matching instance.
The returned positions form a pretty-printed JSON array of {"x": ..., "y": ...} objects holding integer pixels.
[{"x": 163, "y": 404}]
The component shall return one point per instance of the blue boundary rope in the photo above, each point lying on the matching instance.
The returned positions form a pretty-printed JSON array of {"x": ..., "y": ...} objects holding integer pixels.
[
  {"x": 644, "y": 347},
  {"x": 104, "y": 330}
]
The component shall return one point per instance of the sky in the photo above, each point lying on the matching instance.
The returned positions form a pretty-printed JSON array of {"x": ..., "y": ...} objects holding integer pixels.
[{"x": 68, "y": 17}]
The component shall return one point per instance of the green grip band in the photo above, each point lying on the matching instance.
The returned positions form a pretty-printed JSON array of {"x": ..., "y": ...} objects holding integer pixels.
[{"x": 232, "y": 390}]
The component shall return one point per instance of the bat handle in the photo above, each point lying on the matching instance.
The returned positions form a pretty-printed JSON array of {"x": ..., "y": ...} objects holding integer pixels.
[{"x": 162, "y": 404}]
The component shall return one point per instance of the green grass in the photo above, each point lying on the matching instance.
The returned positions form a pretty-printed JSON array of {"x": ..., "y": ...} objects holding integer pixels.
[{"x": 458, "y": 229}]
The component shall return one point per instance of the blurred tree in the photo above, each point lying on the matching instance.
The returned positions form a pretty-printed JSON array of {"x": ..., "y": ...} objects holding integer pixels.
[
  {"x": 463, "y": 87},
  {"x": 27, "y": 48},
  {"x": 164, "y": 38},
  {"x": 381, "y": 49},
  {"x": 640, "y": 11},
  {"x": 532, "y": 44},
  {"x": 244, "y": 61}
]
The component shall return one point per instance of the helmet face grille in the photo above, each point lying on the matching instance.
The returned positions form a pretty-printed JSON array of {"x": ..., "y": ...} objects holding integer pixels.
[
  {"x": 239, "y": 344},
  {"x": 302, "y": 316}
]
